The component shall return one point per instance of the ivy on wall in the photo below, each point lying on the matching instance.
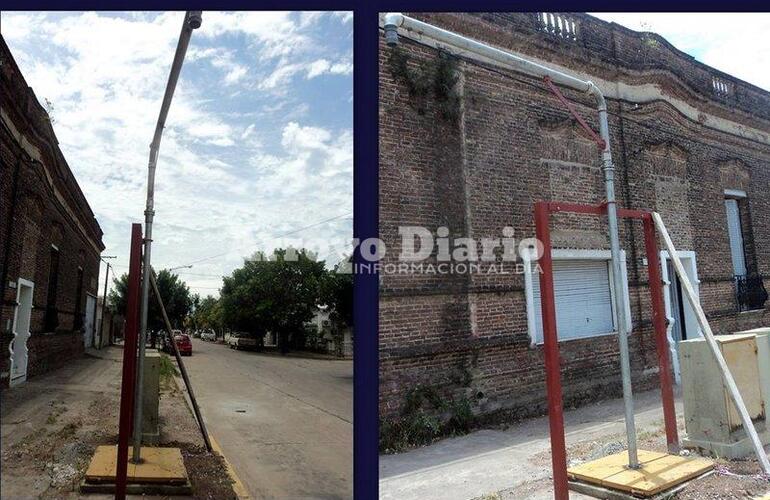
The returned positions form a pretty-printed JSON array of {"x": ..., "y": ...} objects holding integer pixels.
[{"x": 433, "y": 78}]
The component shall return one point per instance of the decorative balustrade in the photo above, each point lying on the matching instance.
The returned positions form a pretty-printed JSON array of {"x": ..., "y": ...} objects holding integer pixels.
[
  {"x": 722, "y": 87},
  {"x": 559, "y": 25}
]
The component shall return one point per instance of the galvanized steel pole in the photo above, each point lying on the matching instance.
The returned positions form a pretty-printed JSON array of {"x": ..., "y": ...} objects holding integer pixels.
[{"x": 192, "y": 20}]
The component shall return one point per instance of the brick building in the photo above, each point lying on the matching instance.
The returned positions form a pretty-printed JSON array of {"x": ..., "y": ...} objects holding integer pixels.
[
  {"x": 469, "y": 146},
  {"x": 50, "y": 241}
]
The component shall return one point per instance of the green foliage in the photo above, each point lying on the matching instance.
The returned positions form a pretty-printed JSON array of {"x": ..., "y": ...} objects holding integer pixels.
[
  {"x": 174, "y": 292},
  {"x": 278, "y": 294},
  {"x": 425, "y": 416},
  {"x": 208, "y": 314},
  {"x": 167, "y": 371},
  {"x": 336, "y": 293},
  {"x": 437, "y": 78}
]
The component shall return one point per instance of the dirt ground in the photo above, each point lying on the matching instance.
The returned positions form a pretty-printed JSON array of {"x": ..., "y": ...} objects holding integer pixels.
[
  {"x": 733, "y": 479},
  {"x": 53, "y": 424}
]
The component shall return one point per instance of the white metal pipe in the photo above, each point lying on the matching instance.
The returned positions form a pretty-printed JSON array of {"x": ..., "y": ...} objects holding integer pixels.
[
  {"x": 192, "y": 21},
  {"x": 394, "y": 24},
  {"x": 727, "y": 377}
]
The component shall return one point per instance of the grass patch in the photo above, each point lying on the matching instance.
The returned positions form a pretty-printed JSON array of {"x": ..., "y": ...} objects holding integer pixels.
[
  {"x": 68, "y": 430},
  {"x": 425, "y": 417},
  {"x": 168, "y": 371}
]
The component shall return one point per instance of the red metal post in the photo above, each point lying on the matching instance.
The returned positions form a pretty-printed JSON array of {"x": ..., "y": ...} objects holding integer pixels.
[
  {"x": 661, "y": 340},
  {"x": 552, "y": 363},
  {"x": 129, "y": 360}
]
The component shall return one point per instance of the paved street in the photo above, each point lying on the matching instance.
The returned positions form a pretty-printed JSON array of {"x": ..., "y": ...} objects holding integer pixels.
[{"x": 285, "y": 423}]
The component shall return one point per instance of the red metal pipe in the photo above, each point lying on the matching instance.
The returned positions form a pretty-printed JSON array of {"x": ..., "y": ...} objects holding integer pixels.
[
  {"x": 598, "y": 140},
  {"x": 661, "y": 340},
  {"x": 552, "y": 363},
  {"x": 577, "y": 208},
  {"x": 129, "y": 361}
]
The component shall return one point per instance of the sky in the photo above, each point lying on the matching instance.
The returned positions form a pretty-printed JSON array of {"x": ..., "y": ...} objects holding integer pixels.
[
  {"x": 736, "y": 43},
  {"x": 257, "y": 152}
]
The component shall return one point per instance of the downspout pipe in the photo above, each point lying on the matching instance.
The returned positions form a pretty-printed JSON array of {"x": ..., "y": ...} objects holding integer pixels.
[
  {"x": 396, "y": 24},
  {"x": 192, "y": 21}
]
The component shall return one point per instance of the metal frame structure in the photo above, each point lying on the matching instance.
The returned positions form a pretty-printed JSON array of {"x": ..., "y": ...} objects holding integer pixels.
[
  {"x": 127, "y": 393},
  {"x": 543, "y": 211}
]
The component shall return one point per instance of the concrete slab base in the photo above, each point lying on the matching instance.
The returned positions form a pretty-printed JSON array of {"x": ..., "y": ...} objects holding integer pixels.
[
  {"x": 139, "y": 488},
  {"x": 596, "y": 491},
  {"x": 741, "y": 448},
  {"x": 658, "y": 472},
  {"x": 163, "y": 466}
]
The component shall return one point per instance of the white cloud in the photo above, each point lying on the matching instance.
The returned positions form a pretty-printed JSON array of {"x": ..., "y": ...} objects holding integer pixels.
[
  {"x": 735, "y": 43},
  {"x": 235, "y": 74},
  {"x": 322, "y": 66},
  {"x": 285, "y": 70},
  {"x": 344, "y": 16},
  {"x": 296, "y": 137},
  {"x": 249, "y": 130},
  {"x": 318, "y": 67},
  {"x": 280, "y": 76}
]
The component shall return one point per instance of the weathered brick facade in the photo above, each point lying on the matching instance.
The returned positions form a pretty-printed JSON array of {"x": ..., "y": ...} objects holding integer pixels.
[
  {"x": 41, "y": 207},
  {"x": 682, "y": 133}
]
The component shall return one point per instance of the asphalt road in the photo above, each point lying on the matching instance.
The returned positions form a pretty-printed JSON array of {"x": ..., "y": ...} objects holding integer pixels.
[{"x": 284, "y": 423}]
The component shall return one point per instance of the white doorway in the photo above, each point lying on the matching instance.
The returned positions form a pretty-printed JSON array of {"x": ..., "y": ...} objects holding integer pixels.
[
  {"x": 681, "y": 318},
  {"x": 21, "y": 323},
  {"x": 88, "y": 322}
]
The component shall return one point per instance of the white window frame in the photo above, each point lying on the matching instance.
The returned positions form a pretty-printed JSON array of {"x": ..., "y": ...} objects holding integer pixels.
[
  {"x": 735, "y": 194},
  {"x": 568, "y": 254}
]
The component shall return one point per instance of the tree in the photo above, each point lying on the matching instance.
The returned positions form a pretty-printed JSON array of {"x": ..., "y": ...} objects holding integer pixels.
[
  {"x": 174, "y": 292},
  {"x": 337, "y": 296},
  {"x": 278, "y": 294},
  {"x": 207, "y": 314}
]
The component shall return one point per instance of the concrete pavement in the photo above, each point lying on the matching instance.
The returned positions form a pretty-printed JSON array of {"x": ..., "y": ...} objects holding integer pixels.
[
  {"x": 515, "y": 461},
  {"x": 284, "y": 423}
]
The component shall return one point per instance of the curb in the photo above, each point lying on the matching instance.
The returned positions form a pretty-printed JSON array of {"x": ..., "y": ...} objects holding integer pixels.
[{"x": 238, "y": 487}]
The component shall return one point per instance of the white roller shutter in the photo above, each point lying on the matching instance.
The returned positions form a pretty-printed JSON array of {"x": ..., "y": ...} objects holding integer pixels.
[
  {"x": 583, "y": 299},
  {"x": 736, "y": 237}
]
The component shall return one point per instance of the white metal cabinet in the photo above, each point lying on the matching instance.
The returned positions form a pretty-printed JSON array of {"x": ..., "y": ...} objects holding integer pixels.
[{"x": 711, "y": 419}]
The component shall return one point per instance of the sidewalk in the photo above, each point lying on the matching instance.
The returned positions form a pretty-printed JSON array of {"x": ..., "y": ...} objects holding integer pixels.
[
  {"x": 52, "y": 424},
  {"x": 512, "y": 463},
  {"x": 515, "y": 463}
]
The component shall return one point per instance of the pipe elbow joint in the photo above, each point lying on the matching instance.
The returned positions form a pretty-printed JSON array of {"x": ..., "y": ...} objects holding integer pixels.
[
  {"x": 594, "y": 91},
  {"x": 390, "y": 26},
  {"x": 194, "y": 19}
]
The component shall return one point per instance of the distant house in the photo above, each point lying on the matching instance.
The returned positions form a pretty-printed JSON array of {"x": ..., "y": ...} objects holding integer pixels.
[
  {"x": 342, "y": 344},
  {"x": 49, "y": 240}
]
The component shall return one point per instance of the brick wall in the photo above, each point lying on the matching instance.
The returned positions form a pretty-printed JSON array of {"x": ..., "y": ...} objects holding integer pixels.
[
  {"x": 513, "y": 144},
  {"x": 40, "y": 205}
]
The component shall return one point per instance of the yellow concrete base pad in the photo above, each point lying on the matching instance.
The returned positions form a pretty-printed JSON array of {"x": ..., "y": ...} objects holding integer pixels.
[
  {"x": 158, "y": 466},
  {"x": 658, "y": 472}
]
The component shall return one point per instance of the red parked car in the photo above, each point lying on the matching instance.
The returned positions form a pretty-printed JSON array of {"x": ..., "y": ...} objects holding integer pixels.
[{"x": 183, "y": 344}]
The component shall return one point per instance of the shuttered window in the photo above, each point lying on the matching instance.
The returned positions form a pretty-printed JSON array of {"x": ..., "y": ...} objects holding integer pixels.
[
  {"x": 583, "y": 299},
  {"x": 736, "y": 237}
]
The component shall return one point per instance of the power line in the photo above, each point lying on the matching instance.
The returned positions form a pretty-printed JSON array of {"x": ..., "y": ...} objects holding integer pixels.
[
  {"x": 278, "y": 236},
  {"x": 201, "y": 275}
]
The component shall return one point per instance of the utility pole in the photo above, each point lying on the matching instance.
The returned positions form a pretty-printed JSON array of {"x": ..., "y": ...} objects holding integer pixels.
[
  {"x": 192, "y": 20},
  {"x": 104, "y": 299}
]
